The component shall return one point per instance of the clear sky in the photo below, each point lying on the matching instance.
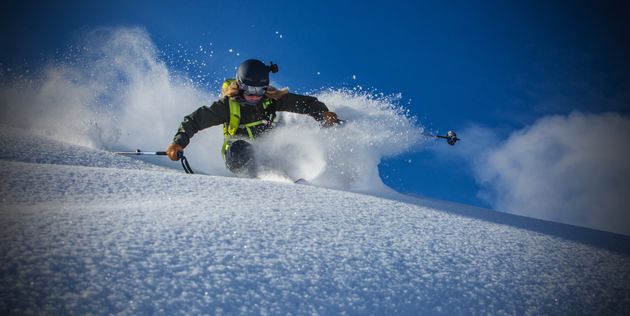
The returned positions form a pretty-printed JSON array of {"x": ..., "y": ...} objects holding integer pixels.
[{"x": 488, "y": 70}]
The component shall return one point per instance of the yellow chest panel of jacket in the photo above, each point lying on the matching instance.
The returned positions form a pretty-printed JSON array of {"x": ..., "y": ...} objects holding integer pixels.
[{"x": 234, "y": 123}]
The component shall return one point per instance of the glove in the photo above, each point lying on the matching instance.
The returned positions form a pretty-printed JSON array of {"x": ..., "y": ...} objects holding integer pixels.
[
  {"x": 172, "y": 151},
  {"x": 329, "y": 119}
]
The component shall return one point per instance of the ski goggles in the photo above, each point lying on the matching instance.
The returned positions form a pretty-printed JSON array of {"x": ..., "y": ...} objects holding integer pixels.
[{"x": 252, "y": 90}]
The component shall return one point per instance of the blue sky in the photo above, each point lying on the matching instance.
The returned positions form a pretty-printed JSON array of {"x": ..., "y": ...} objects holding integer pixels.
[{"x": 493, "y": 66}]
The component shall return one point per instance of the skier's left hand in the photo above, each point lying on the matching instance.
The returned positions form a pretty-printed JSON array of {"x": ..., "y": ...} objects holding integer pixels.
[
  {"x": 329, "y": 119},
  {"x": 173, "y": 150}
]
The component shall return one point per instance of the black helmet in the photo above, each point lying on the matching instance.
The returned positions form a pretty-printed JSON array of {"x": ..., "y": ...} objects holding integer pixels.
[{"x": 254, "y": 72}]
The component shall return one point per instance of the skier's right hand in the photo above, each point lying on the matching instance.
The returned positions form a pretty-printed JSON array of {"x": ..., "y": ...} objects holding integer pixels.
[
  {"x": 329, "y": 119},
  {"x": 172, "y": 151}
]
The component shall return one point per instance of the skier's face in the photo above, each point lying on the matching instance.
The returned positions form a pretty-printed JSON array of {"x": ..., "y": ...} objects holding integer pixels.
[
  {"x": 252, "y": 99},
  {"x": 252, "y": 94}
]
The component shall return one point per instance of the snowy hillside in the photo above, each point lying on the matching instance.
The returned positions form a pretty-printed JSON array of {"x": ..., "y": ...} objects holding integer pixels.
[{"x": 84, "y": 231}]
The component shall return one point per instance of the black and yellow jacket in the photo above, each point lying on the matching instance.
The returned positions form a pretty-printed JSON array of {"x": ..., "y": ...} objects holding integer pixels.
[{"x": 219, "y": 113}]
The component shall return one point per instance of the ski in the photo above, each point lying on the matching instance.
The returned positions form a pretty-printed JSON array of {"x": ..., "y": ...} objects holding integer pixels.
[{"x": 301, "y": 181}]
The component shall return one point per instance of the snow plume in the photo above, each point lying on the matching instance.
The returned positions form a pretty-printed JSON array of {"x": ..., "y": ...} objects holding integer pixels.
[
  {"x": 572, "y": 169},
  {"x": 344, "y": 157},
  {"x": 111, "y": 91},
  {"x": 114, "y": 91}
]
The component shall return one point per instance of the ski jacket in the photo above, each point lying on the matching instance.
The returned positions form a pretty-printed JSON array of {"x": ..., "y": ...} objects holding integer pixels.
[{"x": 219, "y": 113}]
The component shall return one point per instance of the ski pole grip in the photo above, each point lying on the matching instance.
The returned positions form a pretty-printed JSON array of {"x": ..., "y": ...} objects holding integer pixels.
[
  {"x": 180, "y": 154},
  {"x": 160, "y": 153}
]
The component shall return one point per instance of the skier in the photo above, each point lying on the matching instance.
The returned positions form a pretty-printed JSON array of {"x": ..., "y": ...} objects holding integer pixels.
[{"x": 247, "y": 109}]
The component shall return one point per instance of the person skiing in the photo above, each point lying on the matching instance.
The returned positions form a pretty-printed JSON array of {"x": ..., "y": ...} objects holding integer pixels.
[{"x": 247, "y": 110}]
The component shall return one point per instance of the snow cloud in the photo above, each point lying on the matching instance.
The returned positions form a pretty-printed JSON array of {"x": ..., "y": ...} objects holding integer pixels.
[
  {"x": 572, "y": 169},
  {"x": 111, "y": 90},
  {"x": 114, "y": 90},
  {"x": 347, "y": 157}
]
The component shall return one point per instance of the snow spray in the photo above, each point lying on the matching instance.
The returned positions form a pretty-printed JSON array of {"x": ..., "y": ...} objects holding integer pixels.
[{"x": 115, "y": 91}]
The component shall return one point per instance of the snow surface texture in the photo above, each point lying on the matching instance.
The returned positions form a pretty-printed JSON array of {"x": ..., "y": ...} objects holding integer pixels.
[{"x": 94, "y": 233}]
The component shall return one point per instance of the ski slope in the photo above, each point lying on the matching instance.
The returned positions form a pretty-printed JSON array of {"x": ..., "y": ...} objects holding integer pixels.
[{"x": 83, "y": 231}]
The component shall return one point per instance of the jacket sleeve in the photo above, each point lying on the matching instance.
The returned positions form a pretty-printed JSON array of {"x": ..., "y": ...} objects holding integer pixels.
[
  {"x": 202, "y": 118},
  {"x": 302, "y": 104}
]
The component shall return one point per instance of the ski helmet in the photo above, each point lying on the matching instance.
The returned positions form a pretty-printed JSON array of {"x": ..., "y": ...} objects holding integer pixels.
[{"x": 254, "y": 72}]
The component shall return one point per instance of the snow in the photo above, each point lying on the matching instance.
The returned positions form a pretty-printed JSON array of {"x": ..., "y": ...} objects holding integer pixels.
[
  {"x": 83, "y": 231},
  {"x": 120, "y": 94}
]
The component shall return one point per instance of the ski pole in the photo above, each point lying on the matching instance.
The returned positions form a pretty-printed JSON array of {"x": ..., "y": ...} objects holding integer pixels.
[
  {"x": 140, "y": 152},
  {"x": 180, "y": 156}
]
